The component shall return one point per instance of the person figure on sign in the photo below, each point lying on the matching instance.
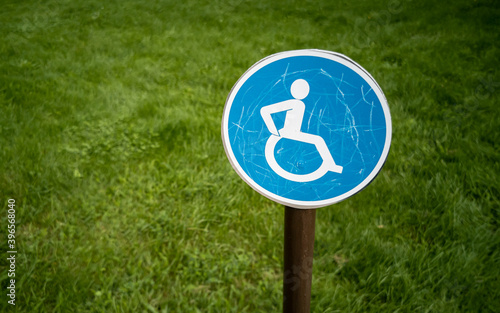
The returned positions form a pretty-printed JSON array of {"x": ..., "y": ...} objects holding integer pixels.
[{"x": 291, "y": 130}]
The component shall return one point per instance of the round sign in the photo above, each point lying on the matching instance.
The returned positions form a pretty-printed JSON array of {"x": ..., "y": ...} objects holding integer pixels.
[{"x": 306, "y": 128}]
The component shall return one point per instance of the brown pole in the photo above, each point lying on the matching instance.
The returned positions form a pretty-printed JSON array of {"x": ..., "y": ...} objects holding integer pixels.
[{"x": 299, "y": 247}]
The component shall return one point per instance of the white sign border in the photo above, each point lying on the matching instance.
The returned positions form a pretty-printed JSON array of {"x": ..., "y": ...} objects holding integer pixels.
[{"x": 336, "y": 57}]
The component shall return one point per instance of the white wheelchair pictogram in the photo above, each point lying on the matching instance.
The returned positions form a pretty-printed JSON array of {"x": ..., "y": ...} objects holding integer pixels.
[{"x": 291, "y": 130}]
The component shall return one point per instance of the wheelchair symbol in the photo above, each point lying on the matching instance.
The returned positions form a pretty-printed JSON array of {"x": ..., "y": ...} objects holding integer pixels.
[{"x": 291, "y": 130}]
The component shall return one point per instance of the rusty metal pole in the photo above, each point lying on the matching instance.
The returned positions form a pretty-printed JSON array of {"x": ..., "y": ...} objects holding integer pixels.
[{"x": 299, "y": 247}]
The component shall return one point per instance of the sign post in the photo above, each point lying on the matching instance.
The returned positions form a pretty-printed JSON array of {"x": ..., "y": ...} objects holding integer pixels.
[
  {"x": 298, "y": 257},
  {"x": 307, "y": 129}
]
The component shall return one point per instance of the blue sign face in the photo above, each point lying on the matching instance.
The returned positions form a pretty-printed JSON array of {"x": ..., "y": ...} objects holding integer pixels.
[{"x": 307, "y": 128}]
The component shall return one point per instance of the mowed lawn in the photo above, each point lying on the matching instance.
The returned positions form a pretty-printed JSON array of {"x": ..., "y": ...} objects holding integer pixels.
[{"x": 110, "y": 144}]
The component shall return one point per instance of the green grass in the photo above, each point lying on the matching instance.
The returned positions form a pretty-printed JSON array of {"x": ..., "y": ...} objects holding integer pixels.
[{"x": 110, "y": 144}]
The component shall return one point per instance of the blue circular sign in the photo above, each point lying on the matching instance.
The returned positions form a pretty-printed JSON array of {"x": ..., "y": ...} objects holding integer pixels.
[{"x": 307, "y": 128}]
